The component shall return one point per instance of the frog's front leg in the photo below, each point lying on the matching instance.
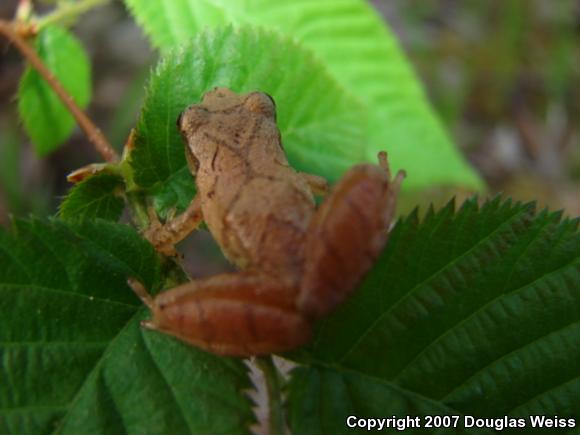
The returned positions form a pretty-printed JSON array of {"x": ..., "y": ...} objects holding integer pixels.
[
  {"x": 234, "y": 314},
  {"x": 346, "y": 235},
  {"x": 165, "y": 236}
]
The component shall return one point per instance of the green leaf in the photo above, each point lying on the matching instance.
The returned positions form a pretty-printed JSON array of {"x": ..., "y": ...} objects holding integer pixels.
[
  {"x": 45, "y": 118},
  {"x": 175, "y": 193},
  {"x": 321, "y": 132},
  {"x": 473, "y": 312},
  {"x": 73, "y": 358},
  {"x": 355, "y": 394},
  {"x": 98, "y": 196},
  {"x": 360, "y": 53}
]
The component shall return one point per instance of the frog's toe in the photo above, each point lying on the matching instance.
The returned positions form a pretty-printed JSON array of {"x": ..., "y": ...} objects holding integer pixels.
[{"x": 148, "y": 324}]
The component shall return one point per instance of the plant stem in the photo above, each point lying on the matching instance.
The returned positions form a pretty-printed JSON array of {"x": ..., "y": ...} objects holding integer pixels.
[
  {"x": 140, "y": 216},
  {"x": 68, "y": 10},
  {"x": 91, "y": 130},
  {"x": 275, "y": 405}
]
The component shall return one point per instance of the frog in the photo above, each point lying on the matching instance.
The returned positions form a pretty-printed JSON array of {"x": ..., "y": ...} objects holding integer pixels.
[{"x": 296, "y": 262}]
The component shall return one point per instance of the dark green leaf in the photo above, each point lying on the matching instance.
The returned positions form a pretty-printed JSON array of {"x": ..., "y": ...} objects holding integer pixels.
[
  {"x": 73, "y": 358},
  {"x": 99, "y": 196},
  {"x": 355, "y": 394},
  {"x": 45, "y": 118},
  {"x": 476, "y": 310}
]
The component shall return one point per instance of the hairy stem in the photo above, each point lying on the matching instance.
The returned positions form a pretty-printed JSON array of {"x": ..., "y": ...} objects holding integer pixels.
[
  {"x": 273, "y": 387},
  {"x": 91, "y": 130},
  {"x": 69, "y": 10}
]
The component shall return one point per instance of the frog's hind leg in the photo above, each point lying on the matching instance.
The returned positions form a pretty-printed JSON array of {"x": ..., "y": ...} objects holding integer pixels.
[
  {"x": 233, "y": 314},
  {"x": 145, "y": 297},
  {"x": 395, "y": 186},
  {"x": 346, "y": 235}
]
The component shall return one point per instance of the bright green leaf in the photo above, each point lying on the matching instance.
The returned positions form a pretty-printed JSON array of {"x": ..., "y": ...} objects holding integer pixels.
[
  {"x": 73, "y": 358},
  {"x": 99, "y": 196},
  {"x": 45, "y": 118},
  {"x": 360, "y": 53},
  {"x": 476, "y": 311},
  {"x": 321, "y": 133}
]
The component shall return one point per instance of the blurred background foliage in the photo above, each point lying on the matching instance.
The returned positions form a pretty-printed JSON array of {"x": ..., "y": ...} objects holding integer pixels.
[{"x": 501, "y": 75}]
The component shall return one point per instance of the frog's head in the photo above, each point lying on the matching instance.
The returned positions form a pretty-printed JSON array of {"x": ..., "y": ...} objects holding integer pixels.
[
  {"x": 224, "y": 103},
  {"x": 221, "y": 110}
]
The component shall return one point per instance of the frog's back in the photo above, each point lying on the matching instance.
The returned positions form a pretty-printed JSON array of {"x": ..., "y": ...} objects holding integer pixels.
[
  {"x": 258, "y": 212},
  {"x": 267, "y": 224}
]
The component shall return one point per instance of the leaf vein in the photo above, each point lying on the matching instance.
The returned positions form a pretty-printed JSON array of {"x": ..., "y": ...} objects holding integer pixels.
[
  {"x": 434, "y": 274},
  {"x": 481, "y": 308}
]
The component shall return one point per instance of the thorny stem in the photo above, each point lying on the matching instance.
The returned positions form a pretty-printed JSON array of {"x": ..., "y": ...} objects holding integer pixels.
[
  {"x": 273, "y": 387},
  {"x": 69, "y": 10},
  {"x": 91, "y": 130}
]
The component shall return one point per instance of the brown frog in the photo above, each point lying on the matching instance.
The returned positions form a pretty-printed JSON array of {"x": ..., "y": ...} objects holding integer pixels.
[{"x": 296, "y": 262}]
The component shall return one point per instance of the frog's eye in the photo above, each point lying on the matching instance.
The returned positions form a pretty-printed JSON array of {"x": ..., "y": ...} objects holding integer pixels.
[
  {"x": 260, "y": 102},
  {"x": 271, "y": 99}
]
